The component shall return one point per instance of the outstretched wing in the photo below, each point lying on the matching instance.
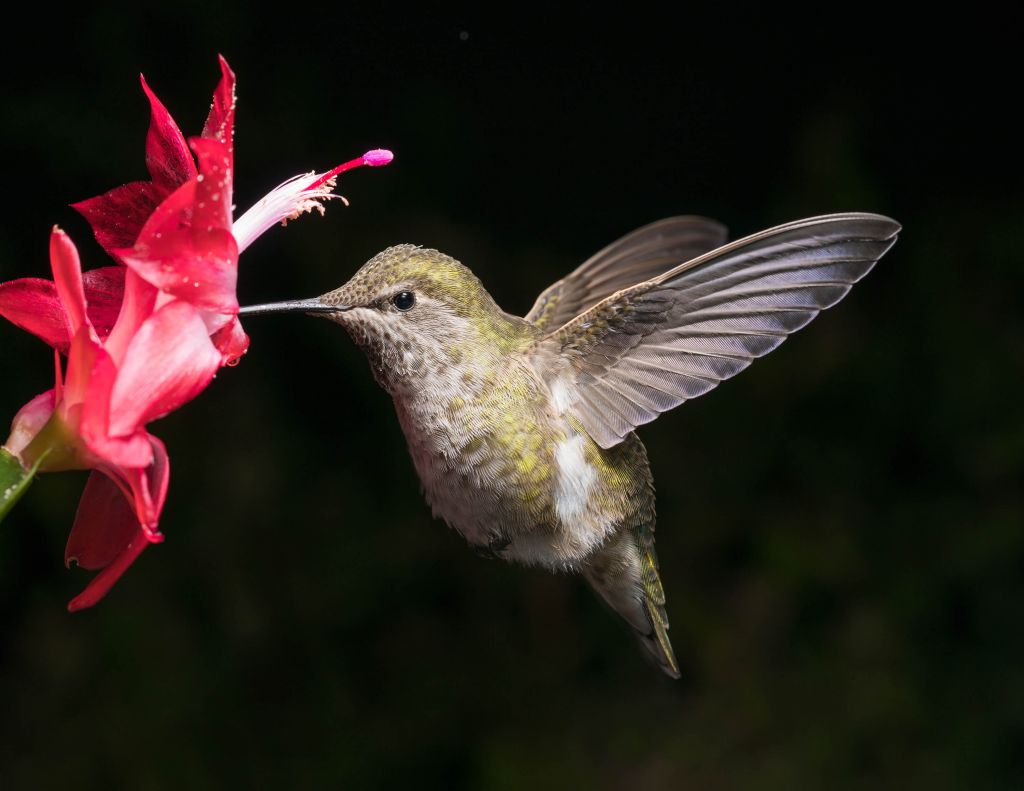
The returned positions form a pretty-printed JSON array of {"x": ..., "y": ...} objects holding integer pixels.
[
  {"x": 650, "y": 347},
  {"x": 645, "y": 253}
]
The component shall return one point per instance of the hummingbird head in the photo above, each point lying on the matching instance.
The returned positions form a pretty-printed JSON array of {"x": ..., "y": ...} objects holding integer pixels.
[{"x": 420, "y": 316}]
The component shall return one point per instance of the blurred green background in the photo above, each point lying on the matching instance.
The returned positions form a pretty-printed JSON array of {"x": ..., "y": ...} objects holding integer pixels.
[{"x": 840, "y": 528}]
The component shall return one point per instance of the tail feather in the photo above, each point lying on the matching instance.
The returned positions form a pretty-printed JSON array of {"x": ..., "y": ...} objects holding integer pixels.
[{"x": 625, "y": 574}]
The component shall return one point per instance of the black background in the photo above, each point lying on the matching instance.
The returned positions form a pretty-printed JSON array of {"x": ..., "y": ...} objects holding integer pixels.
[{"x": 840, "y": 529}]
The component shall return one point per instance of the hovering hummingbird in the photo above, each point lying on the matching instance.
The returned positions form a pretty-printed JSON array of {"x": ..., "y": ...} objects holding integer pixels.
[{"x": 522, "y": 429}]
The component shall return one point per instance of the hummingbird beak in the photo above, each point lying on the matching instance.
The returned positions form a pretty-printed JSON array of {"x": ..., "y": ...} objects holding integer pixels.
[{"x": 293, "y": 306}]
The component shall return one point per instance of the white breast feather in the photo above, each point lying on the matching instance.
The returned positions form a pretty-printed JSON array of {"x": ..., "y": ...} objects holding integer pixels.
[{"x": 576, "y": 479}]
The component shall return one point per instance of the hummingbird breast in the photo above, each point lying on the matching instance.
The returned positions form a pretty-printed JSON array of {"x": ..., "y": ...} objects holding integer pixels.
[{"x": 515, "y": 478}]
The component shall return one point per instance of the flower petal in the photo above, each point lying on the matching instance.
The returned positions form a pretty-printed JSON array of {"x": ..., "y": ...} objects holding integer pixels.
[
  {"x": 221, "y": 121},
  {"x": 104, "y": 292},
  {"x": 213, "y": 190},
  {"x": 149, "y": 488},
  {"x": 67, "y": 274},
  {"x": 231, "y": 341},
  {"x": 138, "y": 304},
  {"x": 29, "y": 420},
  {"x": 169, "y": 362},
  {"x": 117, "y": 216},
  {"x": 104, "y": 581},
  {"x": 195, "y": 263},
  {"x": 32, "y": 304},
  {"x": 91, "y": 416},
  {"x": 82, "y": 359},
  {"x": 168, "y": 159},
  {"x": 104, "y": 524}
]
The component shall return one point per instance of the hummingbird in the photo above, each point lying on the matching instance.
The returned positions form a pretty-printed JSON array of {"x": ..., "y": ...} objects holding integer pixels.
[{"x": 522, "y": 430}]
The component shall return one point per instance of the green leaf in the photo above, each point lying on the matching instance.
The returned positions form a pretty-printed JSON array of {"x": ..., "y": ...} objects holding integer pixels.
[{"x": 14, "y": 480}]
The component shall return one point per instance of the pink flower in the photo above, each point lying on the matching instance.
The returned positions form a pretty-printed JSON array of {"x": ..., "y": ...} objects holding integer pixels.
[
  {"x": 176, "y": 232},
  {"x": 143, "y": 339},
  {"x": 153, "y": 357}
]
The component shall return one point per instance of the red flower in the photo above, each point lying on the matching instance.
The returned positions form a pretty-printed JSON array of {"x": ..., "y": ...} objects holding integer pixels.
[
  {"x": 143, "y": 339},
  {"x": 176, "y": 232},
  {"x": 155, "y": 356}
]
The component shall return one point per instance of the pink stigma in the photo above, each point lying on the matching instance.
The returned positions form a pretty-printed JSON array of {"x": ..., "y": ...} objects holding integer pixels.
[
  {"x": 373, "y": 159},
  {"x": 377, "y": 157}
]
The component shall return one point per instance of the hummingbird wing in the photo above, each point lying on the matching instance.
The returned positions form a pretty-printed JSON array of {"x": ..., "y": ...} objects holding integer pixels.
[
  {"x": 652, "y": 346},
  {"x": 636, "y": 257}
]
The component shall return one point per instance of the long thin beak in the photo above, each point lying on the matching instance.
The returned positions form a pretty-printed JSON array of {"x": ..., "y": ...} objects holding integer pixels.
[{"x": 293, "y": 306}]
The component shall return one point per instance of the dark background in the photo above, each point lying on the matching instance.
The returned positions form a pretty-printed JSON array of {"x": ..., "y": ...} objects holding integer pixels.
[{"x": 840, "y": 528}]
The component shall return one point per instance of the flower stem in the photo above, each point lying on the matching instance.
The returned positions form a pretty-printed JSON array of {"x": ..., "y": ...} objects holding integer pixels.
[{"x": 14, "y": 480}]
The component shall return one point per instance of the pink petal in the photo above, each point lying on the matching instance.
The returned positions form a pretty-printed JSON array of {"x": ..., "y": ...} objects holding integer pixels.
[
  {"x": 138, "y": 305},
  {"x": 131, "y": 453},
  {"x": 104, "y": 581},
  {"x": 198, "y": 264},
  {"x": 168, "y": 159},
  {"x": 29, "y": 420},
  {"x": 32, "y": 304},
  {"x": 169, "y": 362},
  {"x": 127, "y": 450},
  {"x": 104, "y": 292},
  {"x": 213, "y": 190},
  {"x": 149, "y": 488},
  {"x": 67, "y": 274},
  {"x": 104, "y": 524},
  {"x": 221, "y": 121},
  {"x": 231, "y": 341},
  {"x": 82, "y": 358},
  {"x": 117, "y": 216}
]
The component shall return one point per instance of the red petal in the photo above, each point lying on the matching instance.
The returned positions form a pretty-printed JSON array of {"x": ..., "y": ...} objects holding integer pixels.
[
  {"x": 104, "y": 292},
  {"x": 67, "y": 274},
  {"x": 104, "y": 524},
  {"x": 221, "y": 121},
  {"x": 169, "y": 362},
  {"x": 138, "y": 305},
  {"x": 126, "y": 451},
  {"x": 117, "y": 216},
  {"x": 149, "y": 487},
  {"x": 195, "y": 263},
  {"x": 168, "y": 159},
  {"x": 32, "y": 304},
  {"x": 104, "y": 581},
  {"x": 213, "y": 192},
  {"x": 82, "y": 359},
  {"x": 231, "y": 341}
]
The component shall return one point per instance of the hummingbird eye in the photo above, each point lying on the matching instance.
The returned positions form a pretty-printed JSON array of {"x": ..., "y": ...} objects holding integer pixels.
[{"x": 404, "y": 300}]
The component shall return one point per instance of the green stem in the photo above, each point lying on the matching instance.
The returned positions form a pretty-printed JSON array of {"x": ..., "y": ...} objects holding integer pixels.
[{"x": 14, "y": 479}]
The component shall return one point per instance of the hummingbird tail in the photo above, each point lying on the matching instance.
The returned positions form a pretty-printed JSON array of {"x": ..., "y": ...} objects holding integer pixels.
[{"x": 625, "y": 574}]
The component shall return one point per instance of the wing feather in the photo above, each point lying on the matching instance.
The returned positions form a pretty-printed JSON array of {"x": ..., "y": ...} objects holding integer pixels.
[
  {"x": 637, "y": 257},
  {"x": 652, "y": 345}
]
